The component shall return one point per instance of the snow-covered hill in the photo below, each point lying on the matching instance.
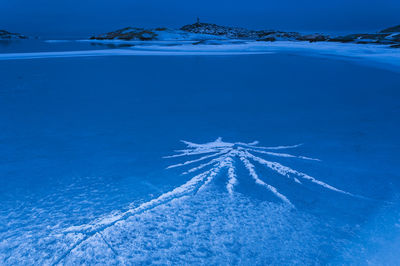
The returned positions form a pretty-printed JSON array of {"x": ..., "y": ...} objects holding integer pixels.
[
  {"x": 206, "y": 31},
  {"x": 157, "y": 34}
]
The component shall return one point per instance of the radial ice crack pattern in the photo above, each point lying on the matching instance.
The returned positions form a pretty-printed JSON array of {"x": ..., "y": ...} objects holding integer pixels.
[
  {"x": 219, "y": 155},
  {"x": 216, "y": 156}
]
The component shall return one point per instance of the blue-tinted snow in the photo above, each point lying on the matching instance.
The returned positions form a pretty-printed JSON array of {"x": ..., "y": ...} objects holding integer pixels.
[{"x": 83, "y": 141}]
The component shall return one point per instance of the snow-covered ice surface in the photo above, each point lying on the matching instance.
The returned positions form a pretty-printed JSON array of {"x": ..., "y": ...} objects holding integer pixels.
[
  {"x": 92, "y": 170},
  {"x": 209, "y": 228}
]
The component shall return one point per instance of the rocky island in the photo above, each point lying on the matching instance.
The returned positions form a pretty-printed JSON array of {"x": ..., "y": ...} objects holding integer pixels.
[
  {"x": 5, "y": 35},
  {"x": 389, "y": 36},
  {"x": 207, "y": 31}
]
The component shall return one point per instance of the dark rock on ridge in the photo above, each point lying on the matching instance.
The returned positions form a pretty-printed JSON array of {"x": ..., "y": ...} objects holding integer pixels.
[
  {"x": 342, "y": 39},
  {"x": 313, "y": 38},
  {"x": 5, "y": 35},
  {"x": 128, "y": 34},
  {"x": 267, "y": 39}
]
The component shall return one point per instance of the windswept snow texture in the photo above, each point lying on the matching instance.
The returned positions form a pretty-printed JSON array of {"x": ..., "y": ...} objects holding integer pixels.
[{"x": 207, "y": 229}]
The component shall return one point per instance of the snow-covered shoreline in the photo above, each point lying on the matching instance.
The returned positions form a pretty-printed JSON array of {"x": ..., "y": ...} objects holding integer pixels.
[
  {"x": 118, "y": 52},
  {"x": 368, "y": 53}
]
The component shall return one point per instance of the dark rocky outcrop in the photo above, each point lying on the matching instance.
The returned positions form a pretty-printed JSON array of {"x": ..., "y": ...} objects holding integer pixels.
[
  {"x": 368, "y": 38},
  {"x": 5, "y": 35},
  {"x": 396, "y": 38},
  {"x": 267, "y": 39},
  {"x": 342, "y": 39},
  {"x": 313, "y": 38},
  {"x": 129, "y": 34},
  {"x": 389, "y": 36},
  {"x": 214, "y": 29}
]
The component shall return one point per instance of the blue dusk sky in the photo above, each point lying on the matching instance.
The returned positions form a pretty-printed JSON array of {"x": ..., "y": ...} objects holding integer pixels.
[{"x": 85, "y": 17}]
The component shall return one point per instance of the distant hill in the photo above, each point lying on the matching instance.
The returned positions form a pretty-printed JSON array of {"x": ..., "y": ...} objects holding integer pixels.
[
  {"x": 207, "y": 31},
  {"x": 391, "y": 30}
]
